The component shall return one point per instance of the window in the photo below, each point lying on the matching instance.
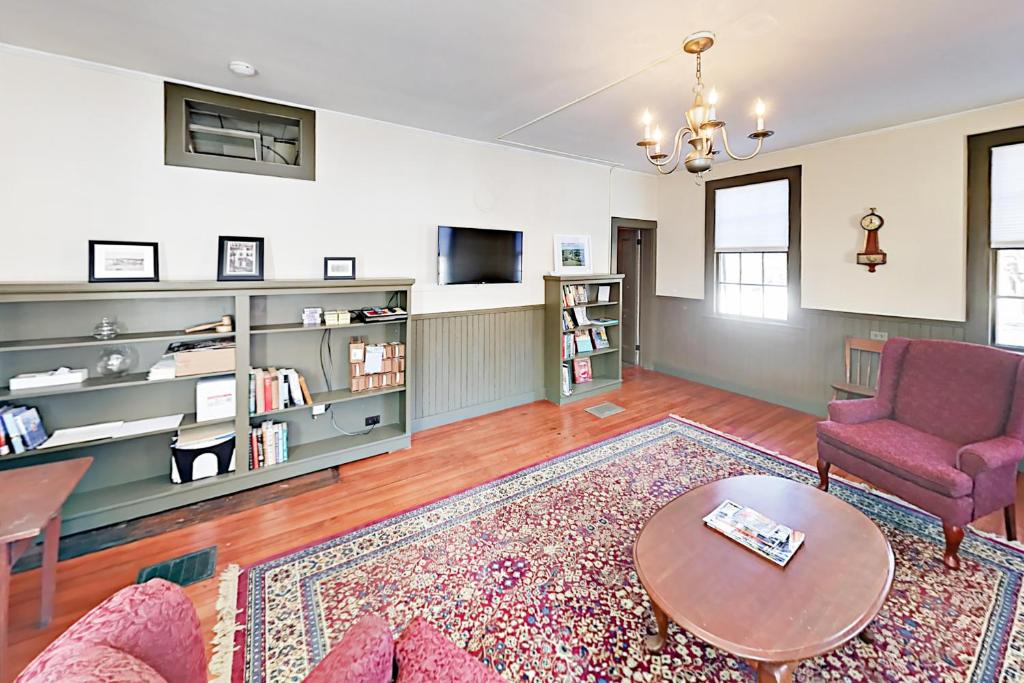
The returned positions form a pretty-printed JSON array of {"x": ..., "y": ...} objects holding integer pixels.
[
  {"x": 1006, "y": 239},
  {"x": 753, "y": 223},
  {"x": 206, "y": 129}
]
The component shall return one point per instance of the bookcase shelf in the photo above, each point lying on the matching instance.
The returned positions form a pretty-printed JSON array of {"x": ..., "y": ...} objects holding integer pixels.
[
  {"x": 590, "y": 304},
  {"x": 126, "y": 338},
  {"x": 136, "y": 379},
  {"x": 131, "y": 478},
  {"x": 606, "y": 363},
  {"x": 329, "y": 397}
]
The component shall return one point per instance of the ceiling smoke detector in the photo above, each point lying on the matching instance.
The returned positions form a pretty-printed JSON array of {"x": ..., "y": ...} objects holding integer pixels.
[{"x": 241, "y": 68}]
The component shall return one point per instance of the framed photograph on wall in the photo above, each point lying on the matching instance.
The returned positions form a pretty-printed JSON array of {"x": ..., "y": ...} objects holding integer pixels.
[
  {"x": 573, "y": 255},
  {"x": 340, "y": 268},
  {"x": 240, "y": 258},
  {"x": 111, "y": 261}
]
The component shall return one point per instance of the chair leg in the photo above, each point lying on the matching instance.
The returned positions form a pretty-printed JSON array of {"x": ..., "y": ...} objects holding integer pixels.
[
  {"x": 823, "y": 468},
  {"x": 1010, "y": 518},
  {"x": 954, "y": 535}
]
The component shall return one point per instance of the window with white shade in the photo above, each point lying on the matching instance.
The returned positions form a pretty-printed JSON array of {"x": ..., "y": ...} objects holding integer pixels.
[
  {"x": 752, "y": 228},
  {"x": 1006, "y": 238}
]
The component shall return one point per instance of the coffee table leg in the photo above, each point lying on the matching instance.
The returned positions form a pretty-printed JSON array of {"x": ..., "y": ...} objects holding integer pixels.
[
  {"x": 655, "y": 643},
  {"x": 5, "y": 585},
  {"x": 51, "y": 544},
  {"x": 775, "y": 672}
]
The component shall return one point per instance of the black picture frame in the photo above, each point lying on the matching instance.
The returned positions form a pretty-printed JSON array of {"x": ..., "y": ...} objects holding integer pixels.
[
  {"x": 327, "y": 266},
  {"x": 224, "y": 274},
  {"x": 155, "y": 256}
]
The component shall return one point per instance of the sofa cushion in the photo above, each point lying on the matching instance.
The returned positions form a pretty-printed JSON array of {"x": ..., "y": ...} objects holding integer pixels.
[
  {"x": 425, "y": 655},
  {"x": 80, "y": 662},
  {"x": 364, "y": 655},
  {"x": 903, "y": 451},
  {"x": 959, "y": 392}
]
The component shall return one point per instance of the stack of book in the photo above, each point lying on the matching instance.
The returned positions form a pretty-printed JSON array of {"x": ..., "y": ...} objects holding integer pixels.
[
  {"x": 21, "y": 429},
  {"x": 584, "y": 341},
  {"x": 273, "y": 389},
  {"x": 581, "y": 371},
  {"x": 375, "y": 366},
  {"x": 573, "y": 295},
  {"x": 268, "y": 444},
  {"x": 748, "y": 527}
]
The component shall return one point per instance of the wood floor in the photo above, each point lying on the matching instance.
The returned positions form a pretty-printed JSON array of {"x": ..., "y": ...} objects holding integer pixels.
[{"x": 441, "y": 461}]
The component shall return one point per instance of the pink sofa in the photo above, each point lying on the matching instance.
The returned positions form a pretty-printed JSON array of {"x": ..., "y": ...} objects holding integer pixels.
[
  {"x": 944, "y": 432},
  {"x": 150, "y": 633}
]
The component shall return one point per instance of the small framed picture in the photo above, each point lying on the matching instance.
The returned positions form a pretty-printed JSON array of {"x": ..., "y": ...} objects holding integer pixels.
[
  {"x": 240, "y": 258},
  {"x": 340, "y": 268},
  {"x": 573, "y": 255},
  {"x": 111, "y": 261}
]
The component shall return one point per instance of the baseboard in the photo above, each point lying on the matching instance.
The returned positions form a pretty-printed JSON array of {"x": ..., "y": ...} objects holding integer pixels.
[
  {"x": 429, "y": 421},
  {"x": 819, "y": 409}
]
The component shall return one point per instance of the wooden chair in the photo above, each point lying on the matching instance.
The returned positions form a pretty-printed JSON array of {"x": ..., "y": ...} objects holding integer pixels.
[{"x": 861, "y": 358}]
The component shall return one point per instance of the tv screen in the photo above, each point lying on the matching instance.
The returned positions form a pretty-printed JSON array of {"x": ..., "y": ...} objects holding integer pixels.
[{"x": 476, "y": 256}]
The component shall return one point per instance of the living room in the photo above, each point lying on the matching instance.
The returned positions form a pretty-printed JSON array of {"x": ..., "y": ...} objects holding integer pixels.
[{"x": 511, "y": 341}]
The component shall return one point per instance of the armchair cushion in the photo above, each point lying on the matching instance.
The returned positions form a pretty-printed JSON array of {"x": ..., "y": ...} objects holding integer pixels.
[
  {"x": 976, "y": 458},
  {"x": 959, "y": 392},
  {"x": 425, "y": 655},
  {"x": 364, "y": 655},
  {"x": 859, "y": 410},
  {"x": 153, "y": 622},
  {"x": 902, "y": 451},
  {"x": 80, "y": 662}
]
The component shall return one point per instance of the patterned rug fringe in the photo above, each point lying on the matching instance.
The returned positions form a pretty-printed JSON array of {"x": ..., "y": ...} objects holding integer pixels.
[
  {"x": 224, "y": 632},
  {"x": 1000, "y": 538}
]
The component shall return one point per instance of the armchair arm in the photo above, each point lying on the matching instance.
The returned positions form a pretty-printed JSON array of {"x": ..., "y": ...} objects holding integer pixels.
[
  {"x": 859, "y": 410},
  {"x": 975, "y": 458},
  {"x": 154, "y": 622}
]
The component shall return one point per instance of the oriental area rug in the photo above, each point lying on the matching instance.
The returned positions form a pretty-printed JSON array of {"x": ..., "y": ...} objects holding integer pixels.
[{"x": 533, "y": 575}]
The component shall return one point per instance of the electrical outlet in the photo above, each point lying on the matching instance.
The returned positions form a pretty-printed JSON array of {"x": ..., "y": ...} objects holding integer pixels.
[
  {"x": 879, "y": 336},
  {"x": 373, "y": 420},
  {"x": 319, "y": 409}
]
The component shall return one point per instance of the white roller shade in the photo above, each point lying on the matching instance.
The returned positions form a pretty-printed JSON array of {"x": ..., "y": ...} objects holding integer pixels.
[
  {"x": 1006, "y": 219},
  {"x": 752, "y": 217}
]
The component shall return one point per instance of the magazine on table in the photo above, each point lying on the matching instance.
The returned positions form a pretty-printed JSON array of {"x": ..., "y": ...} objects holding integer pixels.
[{"x": 748, "y": 527}]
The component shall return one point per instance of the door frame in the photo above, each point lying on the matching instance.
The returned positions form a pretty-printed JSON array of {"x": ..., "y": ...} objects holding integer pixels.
[{"x": 648, "y": 263}]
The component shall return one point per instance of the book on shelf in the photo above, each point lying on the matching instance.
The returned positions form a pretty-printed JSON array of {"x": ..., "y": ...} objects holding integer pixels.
[
  {"x": 567, "y": 321},
  {"x": 566, "y": 380},
  {"x": 600, "y": 337},
  {"x": 568, "y": 346},
  {"x": 268, "y": 444},
  {"x": 582, "y": 371},
  {"x": 580, "y": 315},
  {"x": 604, "y": 293},
  {"x": 273, "y": 389},
  {"x": 574, "y": 295},
  {"x": 583, "y": 344},
  {"x": 754, "y": 531},
  {"x": 604, "y": 321},
  {"x": 21, "y": 429}
]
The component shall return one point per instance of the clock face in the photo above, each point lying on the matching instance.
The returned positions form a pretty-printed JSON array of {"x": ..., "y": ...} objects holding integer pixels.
[{"x": 872, "y": 221}]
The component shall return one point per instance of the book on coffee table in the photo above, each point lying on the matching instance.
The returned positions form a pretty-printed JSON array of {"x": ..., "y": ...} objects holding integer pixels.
[{"x": 748, "y": 527}]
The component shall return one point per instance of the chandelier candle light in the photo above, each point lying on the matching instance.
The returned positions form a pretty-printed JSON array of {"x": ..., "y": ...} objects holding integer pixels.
[{"x": 701, "y": 125}]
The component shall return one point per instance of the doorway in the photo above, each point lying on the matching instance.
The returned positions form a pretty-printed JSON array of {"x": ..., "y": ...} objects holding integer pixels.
[{"x": 633, "y": 257}]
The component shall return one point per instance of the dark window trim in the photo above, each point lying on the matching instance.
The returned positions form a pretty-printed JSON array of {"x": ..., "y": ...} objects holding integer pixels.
[
  {"x": 980, "y": 255},
  {"x": 176, "y": 154},
  {"x": 791, "y": 173}
]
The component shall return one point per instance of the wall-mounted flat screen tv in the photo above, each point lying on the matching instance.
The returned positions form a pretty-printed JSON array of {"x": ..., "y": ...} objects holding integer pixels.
[{"x": 469, "y": 256}]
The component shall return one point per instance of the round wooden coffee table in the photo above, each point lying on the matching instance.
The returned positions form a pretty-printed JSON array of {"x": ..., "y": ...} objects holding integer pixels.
[{"x": 748, "y": 606}]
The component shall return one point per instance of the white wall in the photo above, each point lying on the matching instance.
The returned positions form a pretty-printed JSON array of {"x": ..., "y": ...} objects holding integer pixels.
[
  {"x": 916, "y": 175},
  {"x": 83, "y": 159},
  {"x": 634, "y": 195}
]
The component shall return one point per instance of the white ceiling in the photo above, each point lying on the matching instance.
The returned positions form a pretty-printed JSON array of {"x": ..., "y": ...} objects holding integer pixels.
[{"x": 478, "y": 68}]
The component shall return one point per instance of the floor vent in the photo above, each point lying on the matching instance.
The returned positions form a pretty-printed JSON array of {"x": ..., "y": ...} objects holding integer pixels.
[
  {"x": 605, "y": 409},
  {"x": 184, "y": 570}
]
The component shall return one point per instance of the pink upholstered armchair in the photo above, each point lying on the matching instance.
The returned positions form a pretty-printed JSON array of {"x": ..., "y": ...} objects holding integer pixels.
[
  {"x": 944, "y": 432},
  {"x": 149, "y": 633}
]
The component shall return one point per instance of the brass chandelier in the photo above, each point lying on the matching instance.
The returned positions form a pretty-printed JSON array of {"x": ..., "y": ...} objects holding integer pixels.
[{"x": 701, "y": 125}]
